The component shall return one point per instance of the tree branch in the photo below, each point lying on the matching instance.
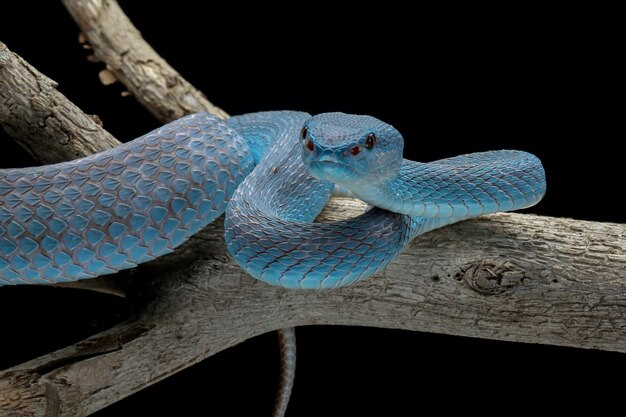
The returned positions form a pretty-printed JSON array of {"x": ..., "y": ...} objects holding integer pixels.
[
  {"x": 41, "y": 119},
  {"x": 153, "y": 82},
  {"x": 508, "y": 277}
]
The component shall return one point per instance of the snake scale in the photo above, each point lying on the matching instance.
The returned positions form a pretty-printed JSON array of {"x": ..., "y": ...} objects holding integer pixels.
[{"x": 125, "y": 206}]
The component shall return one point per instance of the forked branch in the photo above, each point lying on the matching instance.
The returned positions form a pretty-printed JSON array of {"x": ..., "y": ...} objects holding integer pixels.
[{"x": 509, "y": 277}]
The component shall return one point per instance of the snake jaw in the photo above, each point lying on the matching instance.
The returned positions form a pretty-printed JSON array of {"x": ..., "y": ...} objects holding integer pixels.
[
  {"x": 324, "y": 164},
  {"x": 330, "y": 170}
]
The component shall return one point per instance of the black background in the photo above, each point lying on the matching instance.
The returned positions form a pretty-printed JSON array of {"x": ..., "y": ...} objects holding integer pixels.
[{"x": 453, "y": 77}]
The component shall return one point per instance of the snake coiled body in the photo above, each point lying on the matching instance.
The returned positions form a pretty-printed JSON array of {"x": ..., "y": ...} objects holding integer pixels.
[
  {"x": 292, "y": 183},
  {"x": 116, "y": 209}
]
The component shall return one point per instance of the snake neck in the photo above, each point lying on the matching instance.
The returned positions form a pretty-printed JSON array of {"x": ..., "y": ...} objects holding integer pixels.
[
  {"x": 392, "y": 195},
  {"x": 460, "y": 187}
]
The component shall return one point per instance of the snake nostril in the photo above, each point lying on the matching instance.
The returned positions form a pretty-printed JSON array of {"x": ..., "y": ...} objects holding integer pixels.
[
  {"x": 309, "y": 145},
  {"x": 355, "y": 150}
]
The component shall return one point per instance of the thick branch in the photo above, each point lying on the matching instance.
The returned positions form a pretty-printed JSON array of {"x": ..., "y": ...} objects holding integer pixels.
[
  {"x": 149, "y": 77},
  {"x": 42, "y": 120},
  {"x": 508, "y": 277}
]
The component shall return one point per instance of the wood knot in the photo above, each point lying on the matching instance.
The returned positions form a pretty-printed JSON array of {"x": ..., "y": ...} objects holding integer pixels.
[
  {"x": 490, "y": 277},
  {"x": 97, "y": 120}
]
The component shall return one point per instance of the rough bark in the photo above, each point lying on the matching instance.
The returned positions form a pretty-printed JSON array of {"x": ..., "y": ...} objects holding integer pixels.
[
  {"x": 507, "y": 277},
  {"x": 512, "y": 277},
  {"x": 152, "y": 81},
  {"x": 41, "y": 119}
]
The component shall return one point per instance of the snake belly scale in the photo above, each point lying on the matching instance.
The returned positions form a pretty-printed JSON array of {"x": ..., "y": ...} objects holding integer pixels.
[{"x": 119, "y": 208}]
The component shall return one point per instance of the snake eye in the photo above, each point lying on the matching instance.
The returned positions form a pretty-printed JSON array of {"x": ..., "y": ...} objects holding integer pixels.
[
  {"x": 304, "y": 132},
  {"x": 309, "y": 145},
  {"x": 370, "y": 141},
  {"x": 355, "y": 150}
]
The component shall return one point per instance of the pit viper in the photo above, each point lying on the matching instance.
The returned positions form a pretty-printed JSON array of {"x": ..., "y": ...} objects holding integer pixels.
[
  {"x": 271, "y": 173},
  {"x": 125, "y": 206}
]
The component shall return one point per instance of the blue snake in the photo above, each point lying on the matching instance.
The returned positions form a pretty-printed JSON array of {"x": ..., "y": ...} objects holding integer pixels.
[{"x": 271, "y": 173}]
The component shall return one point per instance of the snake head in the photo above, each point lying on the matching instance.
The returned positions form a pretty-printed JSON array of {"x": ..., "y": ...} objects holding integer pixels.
[{"x": 351, "y": 150}]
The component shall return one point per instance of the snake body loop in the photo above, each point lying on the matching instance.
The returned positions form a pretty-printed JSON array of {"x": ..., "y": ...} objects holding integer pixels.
[
  {"x": 113, "y": 210},
  {"x": 292, "y": 182}
]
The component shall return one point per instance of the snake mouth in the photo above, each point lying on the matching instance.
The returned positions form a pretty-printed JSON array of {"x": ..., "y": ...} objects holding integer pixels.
[
  {"x": 327, "y": 163},
  {"x": 333, "y": 171}
]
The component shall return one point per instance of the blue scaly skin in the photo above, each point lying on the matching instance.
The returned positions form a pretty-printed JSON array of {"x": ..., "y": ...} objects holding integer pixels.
[
  {"x": 268, "y": 222},
  {"x": 113, "y": 210},
  {"x": 116, "y": 209}
]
